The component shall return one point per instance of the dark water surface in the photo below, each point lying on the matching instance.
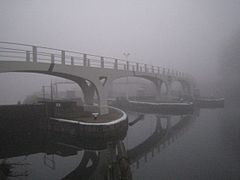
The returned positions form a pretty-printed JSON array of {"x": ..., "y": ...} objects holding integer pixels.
[{"x": 203, "y": 145}]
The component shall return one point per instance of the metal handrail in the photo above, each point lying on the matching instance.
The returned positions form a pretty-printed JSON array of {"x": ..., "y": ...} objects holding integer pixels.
[{"x": 65, "y": 55}]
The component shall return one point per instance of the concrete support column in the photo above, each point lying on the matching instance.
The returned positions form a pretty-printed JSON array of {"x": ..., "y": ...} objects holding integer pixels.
[
  {"x": 102, "y": 97},
  {"x": 63, "y": 57},
  {"x": 158, "y": 85},
  {"x": 89, "y": 89},
  {"x": 145, "y": 68},
  {"x": 163, "y": 71},
  {"x": 137, "y": 67},
  {"x": 116, "y": 64},
  {"x": 34, "y": 54},
  {"x": 169, "y": 90},
  {"x": 102, "y": 62},
  {"x": 102, "y": 93},
  {"x": 127, "y": 65},
  {"x": 28, "y": 56},
  {"x": 72, "y": 60},
  {"x": 88, "y": 92},
  {"x": 52, "y": 58},
  {"x": 84, "y": 60},
  {"x": 187, "y": 90},
  {"x": 103, "y": 106},
  {"x": 168, "y": 71}
]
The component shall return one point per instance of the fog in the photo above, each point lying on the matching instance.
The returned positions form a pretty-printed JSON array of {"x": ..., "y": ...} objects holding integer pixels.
[{"x": 197, "y": 37}]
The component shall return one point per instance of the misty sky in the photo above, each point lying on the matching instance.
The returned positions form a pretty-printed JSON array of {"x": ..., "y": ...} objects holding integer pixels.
[{"x": 184, "y": 34}]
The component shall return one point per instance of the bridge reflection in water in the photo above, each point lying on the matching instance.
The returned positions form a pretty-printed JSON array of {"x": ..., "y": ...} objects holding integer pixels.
[{"x": 98, "y": 159}]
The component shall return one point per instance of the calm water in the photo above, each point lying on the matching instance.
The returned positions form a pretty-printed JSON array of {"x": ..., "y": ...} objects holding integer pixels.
[{"x": 203, "y": 145}]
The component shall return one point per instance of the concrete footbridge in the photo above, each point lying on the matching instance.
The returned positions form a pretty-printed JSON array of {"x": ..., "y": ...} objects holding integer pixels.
[{"x": 93, "y": 73}]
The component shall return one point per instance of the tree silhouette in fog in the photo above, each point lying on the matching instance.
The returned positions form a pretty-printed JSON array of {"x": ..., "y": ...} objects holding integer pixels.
[{"x": 230, "y": 69}]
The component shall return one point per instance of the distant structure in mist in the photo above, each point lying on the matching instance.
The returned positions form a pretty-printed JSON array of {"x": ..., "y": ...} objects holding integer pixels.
[{"x": 230, "y": 69}]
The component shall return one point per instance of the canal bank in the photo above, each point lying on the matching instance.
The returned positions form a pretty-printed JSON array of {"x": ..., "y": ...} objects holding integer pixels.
[
  {"x": 154, "y": 107},
  {"x": 74, "y": 122},
  {"x": 100, "y": 127}
]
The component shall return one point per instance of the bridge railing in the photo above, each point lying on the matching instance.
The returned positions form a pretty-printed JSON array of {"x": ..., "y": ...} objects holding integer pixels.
[{"x": 39, "y": 54}]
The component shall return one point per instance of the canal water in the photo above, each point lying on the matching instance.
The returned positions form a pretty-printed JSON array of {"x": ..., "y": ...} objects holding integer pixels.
[{"x": 203, "y": 145}]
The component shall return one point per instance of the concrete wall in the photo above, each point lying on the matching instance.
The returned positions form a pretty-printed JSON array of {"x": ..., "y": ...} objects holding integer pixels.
[{"x": 20, "y": 117}]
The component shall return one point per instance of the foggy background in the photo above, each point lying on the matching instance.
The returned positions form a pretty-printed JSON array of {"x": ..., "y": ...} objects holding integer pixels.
[{"x": 198, "y": 37}]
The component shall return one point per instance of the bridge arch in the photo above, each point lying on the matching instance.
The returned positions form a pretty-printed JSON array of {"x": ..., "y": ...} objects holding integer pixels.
[
  {"x": 159, "y": 87},
  {"x": 181, "y": 88},
  {"x": 164, "y": 88},
  {"x": 177, "y": 88},
  {"x": 187, "y": 89},
  {"x": 132, "y": 86},
  {"x": 88, "y": 87}
]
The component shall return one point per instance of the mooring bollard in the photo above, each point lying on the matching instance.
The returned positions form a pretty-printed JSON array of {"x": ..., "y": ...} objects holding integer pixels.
[{"x": 95, "y": 115}]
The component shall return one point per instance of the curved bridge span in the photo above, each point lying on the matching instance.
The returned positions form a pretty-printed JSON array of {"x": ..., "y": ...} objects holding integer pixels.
[{"x": 93, "y": 73}]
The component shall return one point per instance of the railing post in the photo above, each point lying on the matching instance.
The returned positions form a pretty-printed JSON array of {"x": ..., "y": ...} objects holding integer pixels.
[
  {"x": 163, "y": 71},
  {"x": 28, "y": 56},
  {"x": 63, "y": 57},
  {"x": 116, "y": 64},
  {"x": 124, "y": 67},
  {"x": 140, "y": 68},
  {"x": 34, "y": 56},
  {"x": 102, "y": 62},
  {"x": 152, "y": 69},
  {"x": 168, "y": 71},
  {"x": 145, "y": 68},
  {"x": 72, "y": 60},
  {"x": 52, "y": 58},
  {"x": 158, "y": 70},
  {"x": 84, "y": 59}
]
